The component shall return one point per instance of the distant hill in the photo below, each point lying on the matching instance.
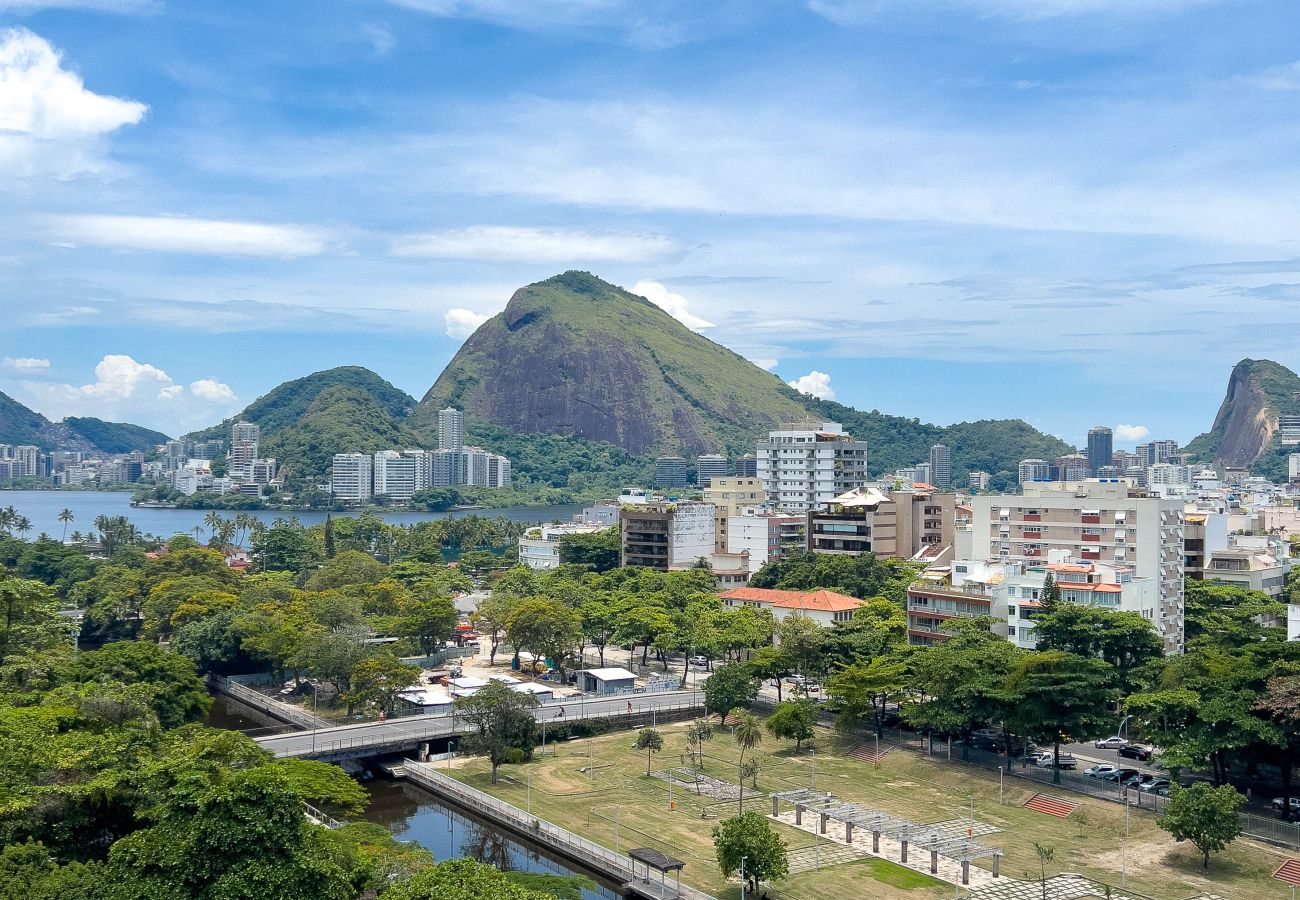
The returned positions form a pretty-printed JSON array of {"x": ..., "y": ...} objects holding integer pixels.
[
  {"x": 20, "y": 425},
  {"x": 574, "y": 355},
  {"x": 1244, "y": 432}
]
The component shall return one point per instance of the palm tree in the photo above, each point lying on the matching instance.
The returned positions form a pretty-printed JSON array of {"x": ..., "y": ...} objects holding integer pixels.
[
  {"x": 749, "y": 734},
  {"x": 7, "y": 517},
  {"x": 22, "y": 525},
  {"x": 65, "y": 516}
]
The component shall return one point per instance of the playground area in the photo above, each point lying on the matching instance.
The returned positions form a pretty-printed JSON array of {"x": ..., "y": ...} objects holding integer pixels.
[{"x": 952, "y": 818}]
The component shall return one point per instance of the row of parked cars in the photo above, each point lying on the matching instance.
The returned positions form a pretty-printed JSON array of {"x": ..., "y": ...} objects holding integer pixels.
[
  {"x": 1145, "y": 782},
  {"x": 1124, "y": 749}
]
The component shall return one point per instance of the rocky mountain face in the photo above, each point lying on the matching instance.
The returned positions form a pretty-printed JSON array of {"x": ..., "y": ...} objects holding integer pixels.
[
  {"x": 574, "y": 355},
  {"x": 20, "y": 425},
  {"x": 1245, "y": 430}
]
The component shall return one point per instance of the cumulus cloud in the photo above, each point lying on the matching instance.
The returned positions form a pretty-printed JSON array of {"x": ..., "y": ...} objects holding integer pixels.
[
  {"x": 673, "y": 304},
  {"x": 176, "y": 234},
  {"x": 212, "y": 390},
  {"x": 817, "y": 384},
  {"x": 763, "y": 363},
  {"x": 24, "y": 363},
  {"x": 1130, "y": 433},
  {"x": 50, "y": 124},
  {"x": 461, "y": 322},
  {"x": 509, "y": 244}
]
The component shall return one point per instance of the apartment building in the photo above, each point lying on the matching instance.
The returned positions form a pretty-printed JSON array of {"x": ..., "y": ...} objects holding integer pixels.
[
  {"x": 731, "y": 497},
  {"x": 395, "y": 476},
  {"x": 901, "y": 523},
  {"x": 1107, "y": 522},
  {"x": 539, "y": 548},
  {"x": 671, "y": 472},
  {"x": 1203, "y": 533},
  {"x": 764, "y": 537},
  {"x": 451, "y": 429},
  {"x": 666, "y": 535},
  {"x": 1031, "y": 470},
  {"x": 351, "y": 477},
  {"x": 806, "y": 464},
  {"x": 710, "y": 466},
  {"x": 940, "y": 466}
]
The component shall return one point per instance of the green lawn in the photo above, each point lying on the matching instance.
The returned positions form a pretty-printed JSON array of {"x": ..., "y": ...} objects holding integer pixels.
[{"x": 615, "y": 804}]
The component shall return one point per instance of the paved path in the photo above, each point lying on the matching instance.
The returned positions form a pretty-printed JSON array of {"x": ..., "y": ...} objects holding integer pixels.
[{"x": 374, "y": 738}]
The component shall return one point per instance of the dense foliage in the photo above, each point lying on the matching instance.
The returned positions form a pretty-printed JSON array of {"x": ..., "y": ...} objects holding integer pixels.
[{"x": 115, "y": 437}]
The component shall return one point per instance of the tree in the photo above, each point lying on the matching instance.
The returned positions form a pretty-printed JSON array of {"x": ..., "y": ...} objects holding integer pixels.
[
  {"x": 462, "y": 879},
  {"x": 732, "y": 686},
  {"x": 545, "y": 627},
  {"x": 1051, "y": 594},
  {"x": 651, "y": 741},
  {"x": 1207, "y": 816},
  {"x": 697, "y": 733},
  {"x": 1044, "y": 854},
  {"x": 1126, "y": 640},
  {"x": 598, "y": 550},
  {"x": 180, "y": 695},
  {"x": 802, "y": 639},
  {"x": 772, "y": 664},
  {"x": 29, "y": 619},
  {"x": 1281, "y": 703},
  {"x": 65, "y": 516},
  {"x": 864, "y": 690},
  {"x": 490, "y": 619},
  {"x": 1059, "y": 697},
  {"x": 793, "y": 721},
  {"x": 749, "y": 837},
  {"x": 428, "y": 621},
  {"x": 378, "y": 679},
  {"x": 749, "y": 733},
  {"x": 503, "y": 722}
]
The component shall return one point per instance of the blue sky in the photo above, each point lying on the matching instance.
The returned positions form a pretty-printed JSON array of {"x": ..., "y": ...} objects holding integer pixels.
[{"x": 1071, "y": 211}]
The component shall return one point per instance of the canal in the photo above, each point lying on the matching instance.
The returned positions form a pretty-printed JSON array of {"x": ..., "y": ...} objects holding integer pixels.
[{"x": 413, "y": 814}]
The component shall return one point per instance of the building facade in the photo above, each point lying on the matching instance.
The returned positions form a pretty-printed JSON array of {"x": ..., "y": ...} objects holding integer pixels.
[
  {"x": 940, "y": 467},
  {"x": 1101, "y": 448},
  {"x": 351, "y": 477},
  {"x": 666, "y": 535},
  {"x": 804, "y": 465},
  {"x": 902, "y": 523}
]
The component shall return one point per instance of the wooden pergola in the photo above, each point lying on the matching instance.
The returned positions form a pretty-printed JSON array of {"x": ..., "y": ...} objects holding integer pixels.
[{"x": 659, "y": 861}]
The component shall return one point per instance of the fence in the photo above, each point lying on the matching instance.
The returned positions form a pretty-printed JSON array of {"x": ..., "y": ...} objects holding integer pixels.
[
  {"x": 588, "y": 853},
  {"x": 276, "y": 709}
]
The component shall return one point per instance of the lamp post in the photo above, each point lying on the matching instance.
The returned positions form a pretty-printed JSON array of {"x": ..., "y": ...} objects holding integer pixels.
[{"x": 742, "y": 877}]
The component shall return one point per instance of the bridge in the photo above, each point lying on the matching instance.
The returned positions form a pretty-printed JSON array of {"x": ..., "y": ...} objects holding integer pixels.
[{"x": 363, "y": 739}]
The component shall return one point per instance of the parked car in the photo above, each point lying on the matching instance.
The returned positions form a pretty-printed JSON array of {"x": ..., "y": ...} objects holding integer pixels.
[
  {"x": 1119, "y": 776},
  {"x": 699, "y": 661},
  {"x": 1046, "y": 759},
  {"x": 1100, "y": 770},
  {"x": 794, "y": 679},
  {"x": 1135, "y": 751},
  {"x": 1138, "y": 780},
  {"x": 1295, "y": 804},
  {"x": 1110, "y": 743},
  {"x": 1154, "y": 785}
]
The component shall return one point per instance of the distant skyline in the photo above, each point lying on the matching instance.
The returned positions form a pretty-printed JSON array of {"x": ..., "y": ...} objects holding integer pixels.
[{"x": 1074, "y": 212}]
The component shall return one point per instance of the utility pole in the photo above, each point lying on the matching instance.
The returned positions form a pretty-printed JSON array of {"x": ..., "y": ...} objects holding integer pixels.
[{"x": 742, "y": 877}]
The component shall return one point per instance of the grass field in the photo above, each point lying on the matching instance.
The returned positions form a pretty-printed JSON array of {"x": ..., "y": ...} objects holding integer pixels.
[{"x": 615, "y": 804}]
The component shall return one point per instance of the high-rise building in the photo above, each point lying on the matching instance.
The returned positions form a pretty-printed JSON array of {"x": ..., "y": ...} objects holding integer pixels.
[
  {"x": 978, "y": 481},
  {"x": 732, "y": 497},
  {"x": 1094, "y": 521},
  {"x": 666, "y": 535},
  {"x": 1101, "y": 448},
  {"x": 708, "y": 467},
  {"x": 940, "y": 466},
  {"x": 670, "y": 472},
  {"x": 243, "y": 451},
  {"x": 350, "y": 478},
  {"x": 394, "y": 475},
  {"x": 1071, "y": 467},
  {"x": 805, "y": 464},
  {"x": 446, "y": 467},
  {"x": 1031, "y": 470},
  {"x": 451, "y": 429},
  {"x": 28, "y": 458},
  {"x": 747, "y": 467},
  {"x": 1293, "y": 467},
  {"x": 898, "y": 524}
]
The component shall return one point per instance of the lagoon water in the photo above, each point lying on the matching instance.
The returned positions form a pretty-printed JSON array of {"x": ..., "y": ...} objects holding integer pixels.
[{"x": 43, "y": 507}]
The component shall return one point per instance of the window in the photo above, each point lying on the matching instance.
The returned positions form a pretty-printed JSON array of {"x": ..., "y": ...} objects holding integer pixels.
[{"x": 1011, "y": 612}]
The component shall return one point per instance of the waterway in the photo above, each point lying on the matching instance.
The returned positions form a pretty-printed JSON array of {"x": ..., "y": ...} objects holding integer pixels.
[
  {"x": 413, "y": 814},
  {"x": 42, "y": 509}
]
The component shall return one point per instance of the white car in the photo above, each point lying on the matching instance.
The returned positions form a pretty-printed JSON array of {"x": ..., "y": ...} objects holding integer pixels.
[
  {"x": 1098, "y": 771},
  {"x": 1110, "y": 743}
]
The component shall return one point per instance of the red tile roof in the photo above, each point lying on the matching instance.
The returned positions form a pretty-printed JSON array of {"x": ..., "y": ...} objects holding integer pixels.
[{"x": 821, "y": 601}]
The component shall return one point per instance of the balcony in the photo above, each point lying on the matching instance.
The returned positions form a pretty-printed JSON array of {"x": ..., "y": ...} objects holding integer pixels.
[
  {"x": 1090, "y": 518},
  {"x": 1033, "y": 517},
  {"x": 1091, "y": 538}
]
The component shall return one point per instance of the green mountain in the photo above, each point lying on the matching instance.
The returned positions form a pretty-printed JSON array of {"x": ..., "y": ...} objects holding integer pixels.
[
  {"x": 574, "y": 355},
  {"x": 1245, "y": 431},
  {"x": 115, "y": 437},
  {"x": 20, "y": 425}
]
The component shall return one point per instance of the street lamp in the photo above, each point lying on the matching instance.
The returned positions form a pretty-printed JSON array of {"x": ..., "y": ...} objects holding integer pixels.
[{"x": 742, "y": 877}]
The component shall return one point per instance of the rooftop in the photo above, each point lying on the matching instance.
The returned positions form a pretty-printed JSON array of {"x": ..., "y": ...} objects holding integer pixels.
[{"x": 819, "y": 601}]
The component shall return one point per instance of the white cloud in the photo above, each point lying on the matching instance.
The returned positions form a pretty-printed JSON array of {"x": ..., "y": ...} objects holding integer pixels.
[
  {"x": 504, "y": 243},
  {"x": 1279, "y": 78},
  {"x": 379, "y": 37},
  {"x": 461, "y": 322},
  {"x": 856, "y": 12},
  {"x": 1130, "y": 433},
  {"x": 175, "y": 234},
  {"x": 673, "y": 304},
  {"x": 768, "y": 364},
  {"x": 49, "y": 123},
  {"x": 213, "y": 391},
  {"x": 24, "y": 363},
  {"x": 120, "y": 377},
  {"x": 818, "y": 384}
]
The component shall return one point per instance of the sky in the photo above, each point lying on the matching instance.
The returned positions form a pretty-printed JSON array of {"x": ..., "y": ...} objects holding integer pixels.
[{"x": 1074, "y": 212}]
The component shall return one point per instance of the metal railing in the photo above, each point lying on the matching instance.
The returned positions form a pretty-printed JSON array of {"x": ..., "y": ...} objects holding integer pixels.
[
  {"x": 587, "y": 852},
  {"x": 277, "y": 709}
]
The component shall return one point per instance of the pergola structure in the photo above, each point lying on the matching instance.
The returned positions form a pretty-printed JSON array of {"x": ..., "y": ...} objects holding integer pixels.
[
  {"x": 659, "y": 861},
  {"x": 939, "y": 841}
]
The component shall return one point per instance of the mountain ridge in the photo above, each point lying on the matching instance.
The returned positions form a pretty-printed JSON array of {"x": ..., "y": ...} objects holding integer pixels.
[
  {"x": 20, "y": 424},
  {"x": 1245, "y": 429}
]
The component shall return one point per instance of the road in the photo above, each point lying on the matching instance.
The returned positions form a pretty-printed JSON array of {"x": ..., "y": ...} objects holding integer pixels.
[{"x": 410, "y": 731}]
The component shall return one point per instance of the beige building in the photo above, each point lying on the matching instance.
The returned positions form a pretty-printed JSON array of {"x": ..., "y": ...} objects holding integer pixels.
[
  {"x": 1109, "y": 522},
  {"x": 731, "y": 497},
  {"x": 901, "y": 523}
]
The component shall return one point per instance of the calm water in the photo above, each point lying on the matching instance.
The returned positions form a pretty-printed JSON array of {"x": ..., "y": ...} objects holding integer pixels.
[{"x": 43, "y": 507}]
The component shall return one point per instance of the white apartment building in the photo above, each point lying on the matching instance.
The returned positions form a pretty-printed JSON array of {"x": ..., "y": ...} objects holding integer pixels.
[
  {"x": 803, "y": 465},
  {"x": 765, "y": 537},
  {"x": 1031, "y": 470},
  {"x": 666, "y": 535},
  {"x": 1107, "y": 522},
  {"x": 395, "y": 475},
  {"x": 350, "y": 478},
  {"x": 539, "y": 548},
  {"x": 1293, "y": 467},
  {"x": 451, "y": 429}
]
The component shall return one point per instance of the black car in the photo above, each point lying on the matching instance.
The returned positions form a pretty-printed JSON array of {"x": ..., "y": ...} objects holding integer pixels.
[{"x": 1134, "y": 751}]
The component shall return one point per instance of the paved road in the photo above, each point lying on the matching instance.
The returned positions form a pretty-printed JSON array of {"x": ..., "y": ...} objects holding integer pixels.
[{"x": 412, "y": 730}]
